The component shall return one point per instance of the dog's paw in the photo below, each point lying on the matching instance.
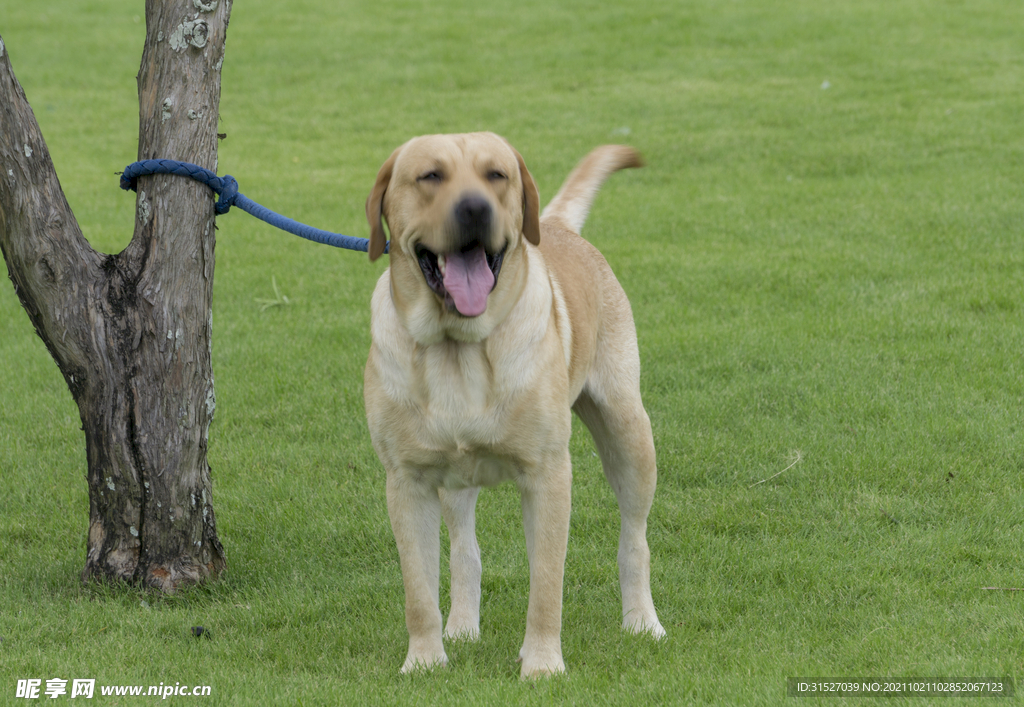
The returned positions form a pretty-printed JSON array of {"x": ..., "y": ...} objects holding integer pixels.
[
  {"x": 540, "y": 664},
  {"x": 424, "y": 660},
  {"x": 462, "y": 631},
  {"x": 644, "y": 625}
]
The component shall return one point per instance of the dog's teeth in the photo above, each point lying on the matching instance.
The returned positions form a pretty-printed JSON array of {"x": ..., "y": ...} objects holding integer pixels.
[{"x": 441, "y": 264}]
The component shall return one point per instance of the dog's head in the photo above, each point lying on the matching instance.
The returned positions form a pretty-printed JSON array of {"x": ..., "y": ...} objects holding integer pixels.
[{"x": 458, "y": 208}]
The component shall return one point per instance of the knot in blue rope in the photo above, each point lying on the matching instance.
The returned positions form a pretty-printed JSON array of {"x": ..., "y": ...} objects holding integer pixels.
[{"x": 228, "y": 192}]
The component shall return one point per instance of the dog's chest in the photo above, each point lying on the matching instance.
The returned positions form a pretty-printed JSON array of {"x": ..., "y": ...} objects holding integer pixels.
[
  {"x": 454, "y": 381},
  {"x": 469, "y": 402},
  {"x": 469, "y": 413},
  {"x": 479, "y": 417}
]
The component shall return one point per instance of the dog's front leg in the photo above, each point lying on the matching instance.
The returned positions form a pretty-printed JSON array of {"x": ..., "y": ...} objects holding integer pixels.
[
  {"x": 545, "y": 494},
  {"x": 415, "y": 511}
]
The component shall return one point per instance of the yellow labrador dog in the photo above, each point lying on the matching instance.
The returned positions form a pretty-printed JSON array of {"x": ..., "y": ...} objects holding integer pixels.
[{"x": 491, "y": 324}]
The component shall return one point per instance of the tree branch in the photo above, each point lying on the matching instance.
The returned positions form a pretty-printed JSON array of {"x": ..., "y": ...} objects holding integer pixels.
[{"x": 43, "y": 247}]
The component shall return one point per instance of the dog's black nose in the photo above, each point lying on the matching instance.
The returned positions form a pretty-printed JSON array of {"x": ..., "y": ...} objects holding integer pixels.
[{"x": 473, "y": 214}]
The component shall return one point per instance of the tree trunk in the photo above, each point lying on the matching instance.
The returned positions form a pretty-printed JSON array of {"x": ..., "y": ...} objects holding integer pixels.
[{"x": 132, "y": 332}]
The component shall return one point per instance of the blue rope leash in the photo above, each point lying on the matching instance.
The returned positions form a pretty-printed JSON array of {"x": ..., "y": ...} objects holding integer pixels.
[{"x": 226, "y": 188}]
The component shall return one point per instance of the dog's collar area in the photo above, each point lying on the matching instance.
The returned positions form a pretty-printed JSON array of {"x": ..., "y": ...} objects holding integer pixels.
[{"x": 433, "y": 271}]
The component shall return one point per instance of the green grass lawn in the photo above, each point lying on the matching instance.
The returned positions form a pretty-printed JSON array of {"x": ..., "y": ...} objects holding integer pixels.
[{"x": 825, "y": 255}]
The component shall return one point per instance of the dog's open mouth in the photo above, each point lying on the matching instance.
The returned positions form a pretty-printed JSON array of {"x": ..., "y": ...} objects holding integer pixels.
[{"x": 462, "y": 279}]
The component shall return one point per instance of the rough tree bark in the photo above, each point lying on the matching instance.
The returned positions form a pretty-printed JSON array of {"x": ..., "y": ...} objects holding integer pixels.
[{"x": 131, "y": 332}]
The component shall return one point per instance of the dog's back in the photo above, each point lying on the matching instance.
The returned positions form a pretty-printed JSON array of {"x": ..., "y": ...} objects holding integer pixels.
[{"x": 572, "y": 259}]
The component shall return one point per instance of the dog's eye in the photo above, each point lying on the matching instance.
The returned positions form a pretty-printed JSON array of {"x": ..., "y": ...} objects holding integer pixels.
[
  {"x": 431, "y": 176},
  {"x": 496, "y": 175}
]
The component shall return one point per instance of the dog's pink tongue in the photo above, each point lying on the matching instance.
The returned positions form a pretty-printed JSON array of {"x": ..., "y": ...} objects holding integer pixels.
[{"x": 468, "y": 279}]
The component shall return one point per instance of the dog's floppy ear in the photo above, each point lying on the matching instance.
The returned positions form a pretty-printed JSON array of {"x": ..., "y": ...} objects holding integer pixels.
[
  {"x": 531, "y": 202},
  {"x": 375, "y": 207}
]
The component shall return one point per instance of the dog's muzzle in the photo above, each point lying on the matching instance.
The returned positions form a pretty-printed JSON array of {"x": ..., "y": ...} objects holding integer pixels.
[{"x": 464, "y": 276}]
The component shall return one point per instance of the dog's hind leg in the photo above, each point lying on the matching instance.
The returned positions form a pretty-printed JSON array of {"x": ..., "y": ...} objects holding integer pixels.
[
  {"x": 459, "y": 510},
  {"x": 611, "y": 408},
  {"x": 626, "y": 447}
]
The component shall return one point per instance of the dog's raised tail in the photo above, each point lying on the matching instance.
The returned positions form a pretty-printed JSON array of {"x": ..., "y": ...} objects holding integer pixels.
[{"x": 572, "y": 202}]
